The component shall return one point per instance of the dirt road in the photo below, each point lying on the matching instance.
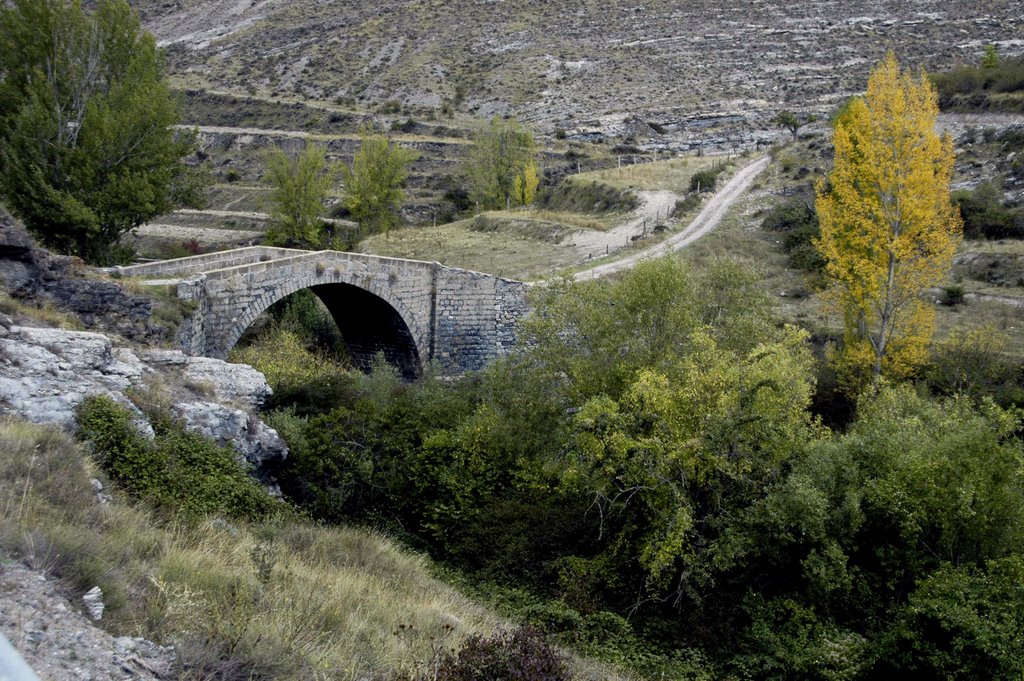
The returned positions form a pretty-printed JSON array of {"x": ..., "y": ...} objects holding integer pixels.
[
  {"x": 655, "y": 207},
  {"x": 706, "y": 221}
]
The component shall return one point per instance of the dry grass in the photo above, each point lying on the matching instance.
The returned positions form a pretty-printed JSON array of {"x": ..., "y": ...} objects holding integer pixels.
[
  {"x": 672, "y": 174},
  {"x": 45, "y": 313},
  {"x": 599, "y": 223},
  {"x": 287, "y": 600},
  {"x": 505, "y": 252}
]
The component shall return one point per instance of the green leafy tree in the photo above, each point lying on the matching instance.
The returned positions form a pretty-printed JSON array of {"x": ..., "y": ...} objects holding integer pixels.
[
  {"x": 374, "y": 181},
  {"x": 683, "y": 447},
  {"x": 990, "y": 60},
  {"x": 501, "y": 152},
  {"x": 792, "y": 122},
  {"x": 598, "y": 336},
  {"x": 525, "y": 185},
  {"x": 300, "y": 184},
  {"x": 87, "y": 147},
  {"x": 894, "y": 547}
]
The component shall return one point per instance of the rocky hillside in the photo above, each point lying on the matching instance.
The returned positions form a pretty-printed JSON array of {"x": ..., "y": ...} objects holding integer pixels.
[
  {"x": 561, "y": 64},
  {"x": 46, "y": 372}
]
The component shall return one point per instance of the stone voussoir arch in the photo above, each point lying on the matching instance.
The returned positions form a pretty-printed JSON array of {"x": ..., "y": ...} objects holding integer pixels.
[
  {"x": 320, "y": 269},
  {"x": 417, "y": 311}
]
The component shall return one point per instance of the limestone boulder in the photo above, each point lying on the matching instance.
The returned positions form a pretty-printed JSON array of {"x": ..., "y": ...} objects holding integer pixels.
[
  {"x": 258, "y": 443},
  {"x": 46, "y": 373},
  {"x": 235, "y": 383}
]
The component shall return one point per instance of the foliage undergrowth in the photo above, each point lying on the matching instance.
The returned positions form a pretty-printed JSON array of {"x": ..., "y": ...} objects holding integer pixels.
[
  {"x": 645, "y": 483},
  {"x": 797, "y": 221},
  {"x": 971, "y": 88},
  {"x": 178, "y": 470},
  {"x": 572, "y": 196},
  {"x": 985, "y": 216}
]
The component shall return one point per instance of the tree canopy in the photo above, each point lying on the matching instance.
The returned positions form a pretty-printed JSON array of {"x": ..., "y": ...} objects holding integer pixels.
[
  {"x": 501, "y": 152},
  {"x": 374, "y": 181},
  {"x": 888, "y": 228},
  {"x": 793, "y": 122},
  {"x": 300, "y": 182},
  {"x": 87, "y": 147}
]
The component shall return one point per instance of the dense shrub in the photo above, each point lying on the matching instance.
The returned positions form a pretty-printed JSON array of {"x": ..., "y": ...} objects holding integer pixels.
[
  {"x": 970, "y": 88},
  {"x": 984, "y": 215},
  {"x": 797, "y": 220},
  {"x": 306, "y": 381},
  {"x": 705, "y": 180},
  {"x": 380, "y": 453},
  {"x": 178, "y": 470},
  {"x": 651, "y": 451},
  {"x": 521, "y": 655},
  {"x": 974, "y": 364},
  {"x": 685, "y": 205},
  {"x": 586, "y": 197},
  {"x": 858, "y": 549}
]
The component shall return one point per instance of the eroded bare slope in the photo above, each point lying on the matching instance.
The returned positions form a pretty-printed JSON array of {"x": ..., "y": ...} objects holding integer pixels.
[{"x": 560, "y": 62}]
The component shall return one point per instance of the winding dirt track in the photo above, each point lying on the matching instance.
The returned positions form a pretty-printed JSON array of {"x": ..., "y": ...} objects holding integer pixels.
[{"x": 706, "y": 221}]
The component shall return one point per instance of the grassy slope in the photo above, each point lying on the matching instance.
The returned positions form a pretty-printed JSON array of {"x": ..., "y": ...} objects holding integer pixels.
[
  {"x": 282, "y": 599},
  {"x": 328, "y": 598}
]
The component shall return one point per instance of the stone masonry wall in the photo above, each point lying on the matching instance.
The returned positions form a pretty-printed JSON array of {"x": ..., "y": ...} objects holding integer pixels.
[
  {"x": 460, "y": 318},
  {"x": 476, "y": 316}
]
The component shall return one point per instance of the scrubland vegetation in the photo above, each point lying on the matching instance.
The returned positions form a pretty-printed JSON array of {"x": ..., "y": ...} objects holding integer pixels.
[
  {"x": 660, "y": 480},
  {"x": 997, "y": 84},
  {"x": 666, "y": 479}
]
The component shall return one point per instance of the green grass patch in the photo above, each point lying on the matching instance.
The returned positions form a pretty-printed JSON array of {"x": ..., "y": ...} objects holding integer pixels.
[{"x": 504, "y": 252}]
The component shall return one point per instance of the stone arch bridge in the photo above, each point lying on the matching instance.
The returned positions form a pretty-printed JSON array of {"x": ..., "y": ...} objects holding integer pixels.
[{"x": 410, "y": 310}]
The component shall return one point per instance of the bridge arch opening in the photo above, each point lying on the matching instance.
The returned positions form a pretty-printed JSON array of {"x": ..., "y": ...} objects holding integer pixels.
[{"x": 368, "y": 325}]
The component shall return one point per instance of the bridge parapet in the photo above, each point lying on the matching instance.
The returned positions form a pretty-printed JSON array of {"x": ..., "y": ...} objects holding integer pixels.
[{"x": 206, "y": 262}]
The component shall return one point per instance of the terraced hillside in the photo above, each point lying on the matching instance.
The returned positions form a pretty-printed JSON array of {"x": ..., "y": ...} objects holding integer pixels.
[{"x": 575, "y": 65}]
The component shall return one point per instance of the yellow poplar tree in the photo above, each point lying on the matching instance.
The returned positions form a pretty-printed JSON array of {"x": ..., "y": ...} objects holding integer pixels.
[
  {"x": 525, "y": 186},
  {"x": 888, "y": 228}
]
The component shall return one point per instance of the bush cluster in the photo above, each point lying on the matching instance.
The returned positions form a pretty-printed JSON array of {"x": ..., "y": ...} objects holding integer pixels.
[
  {"x": 705, "y": 180},
  {"x": 985, "y": 216},
  {"x": 178, "y": 470},
  {"x": 652, "y": 451},
  {"x": 970, "y": 88},
  {"x": 798, "y": 222},
  {"x": 520, "y": 655},
  {"x": 586, "y": 197}
]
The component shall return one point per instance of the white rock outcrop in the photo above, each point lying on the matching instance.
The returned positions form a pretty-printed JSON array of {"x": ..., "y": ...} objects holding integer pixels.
[{"x": 45, "y": 373}]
